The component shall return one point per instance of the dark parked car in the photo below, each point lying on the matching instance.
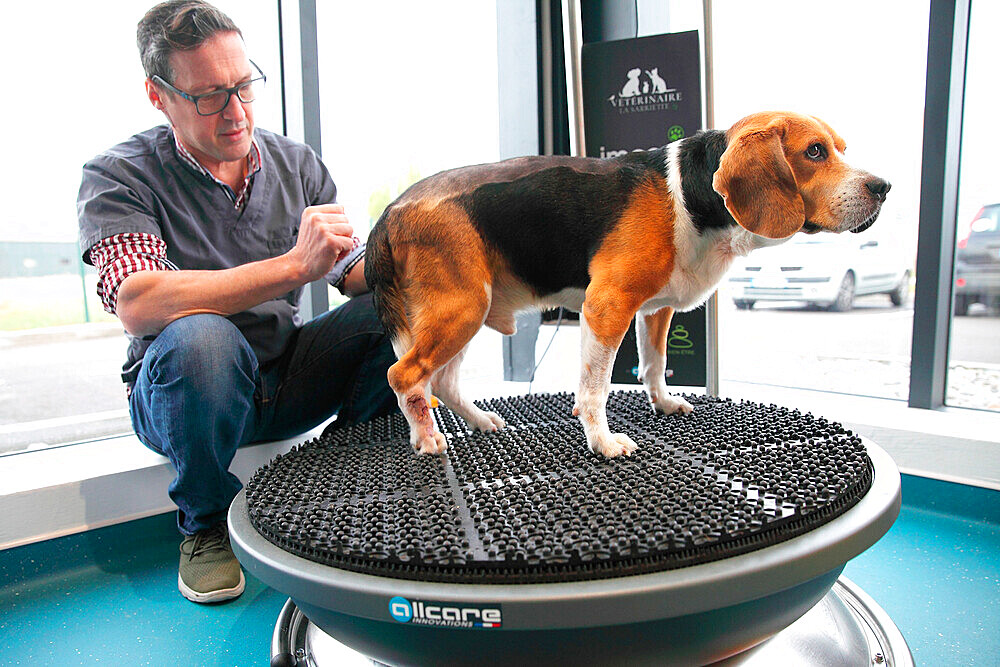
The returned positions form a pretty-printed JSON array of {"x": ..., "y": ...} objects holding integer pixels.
[{"x": 977, "y": 262}]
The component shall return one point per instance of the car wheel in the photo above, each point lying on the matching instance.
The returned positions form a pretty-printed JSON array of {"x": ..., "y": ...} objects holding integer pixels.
[
  {"x": 743, "y": 304},
  {"x": 898, "y": 295},
  {"x": 962, "y": 302},
  {"x": 845, "y": 295}
]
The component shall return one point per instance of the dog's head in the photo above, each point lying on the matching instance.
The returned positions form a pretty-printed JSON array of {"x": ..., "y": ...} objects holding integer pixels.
[{"x": 783, "y": 172}]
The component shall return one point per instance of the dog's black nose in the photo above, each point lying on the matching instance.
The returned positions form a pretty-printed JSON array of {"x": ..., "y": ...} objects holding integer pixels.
[{"x": 878, "y": 187}]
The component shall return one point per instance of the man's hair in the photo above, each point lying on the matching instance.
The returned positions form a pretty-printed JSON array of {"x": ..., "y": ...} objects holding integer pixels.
[{"x": 177, "y": 25}]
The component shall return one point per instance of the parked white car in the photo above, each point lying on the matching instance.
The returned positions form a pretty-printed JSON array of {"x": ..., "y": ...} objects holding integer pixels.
[{"x": 827, "y": 270}]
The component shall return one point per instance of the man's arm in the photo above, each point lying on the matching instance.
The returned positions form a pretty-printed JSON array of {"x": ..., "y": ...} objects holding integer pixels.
[{"x": 150, "y": 300}]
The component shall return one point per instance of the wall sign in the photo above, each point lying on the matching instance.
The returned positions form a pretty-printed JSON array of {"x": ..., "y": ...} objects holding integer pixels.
[{"x": 640, "y": 94}]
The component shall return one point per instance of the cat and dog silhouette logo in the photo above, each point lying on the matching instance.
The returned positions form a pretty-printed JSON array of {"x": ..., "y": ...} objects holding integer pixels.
[
  {"x": 643, "y": 82},
  {"x": 645, "y": 90}
]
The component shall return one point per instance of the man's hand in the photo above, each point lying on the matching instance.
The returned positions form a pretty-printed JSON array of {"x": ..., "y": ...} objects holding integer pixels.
[
  {"x": 150, "y": 300},
  {"x": 325, "y": 236}
]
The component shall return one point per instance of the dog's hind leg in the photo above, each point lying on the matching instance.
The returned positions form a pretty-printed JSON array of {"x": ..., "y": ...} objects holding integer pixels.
[
  {"x": 439, "y": 333},
  {"x": 445, "y": 386}
]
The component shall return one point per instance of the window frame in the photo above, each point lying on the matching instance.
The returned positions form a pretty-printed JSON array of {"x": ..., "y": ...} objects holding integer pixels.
[{"x": 944, "y": 106}]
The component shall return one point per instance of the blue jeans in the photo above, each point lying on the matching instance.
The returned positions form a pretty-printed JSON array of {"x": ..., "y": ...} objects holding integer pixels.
[{"x": 201, "y": 394}]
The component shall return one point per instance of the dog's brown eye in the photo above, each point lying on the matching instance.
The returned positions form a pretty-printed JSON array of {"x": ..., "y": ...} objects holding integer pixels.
[{"x": 816, "y": 152}]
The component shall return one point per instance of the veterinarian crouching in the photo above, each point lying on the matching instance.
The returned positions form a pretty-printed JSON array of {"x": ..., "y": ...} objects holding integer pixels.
[{"x": 204, "y": 232}]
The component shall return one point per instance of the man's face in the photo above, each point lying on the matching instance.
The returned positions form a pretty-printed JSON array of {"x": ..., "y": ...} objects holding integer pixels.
[{"x": 221, "y": 62}]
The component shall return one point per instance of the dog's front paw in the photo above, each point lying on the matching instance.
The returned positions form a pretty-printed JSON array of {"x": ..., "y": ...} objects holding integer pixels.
[
  {"x": 431, "y": 444},
  {"x": 612, "y": 445},
  {"x": 668, "y": 405}
]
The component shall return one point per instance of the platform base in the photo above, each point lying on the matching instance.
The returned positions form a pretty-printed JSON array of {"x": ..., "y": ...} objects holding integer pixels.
[{"x": 845, "y": 628}]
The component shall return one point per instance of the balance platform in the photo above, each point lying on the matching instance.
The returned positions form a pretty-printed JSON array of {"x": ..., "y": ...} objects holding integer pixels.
[{"x": 724, "y": 527}]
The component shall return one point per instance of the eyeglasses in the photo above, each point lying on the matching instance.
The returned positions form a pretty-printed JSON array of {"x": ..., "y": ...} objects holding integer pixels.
[{"x": 212, "y": 103}]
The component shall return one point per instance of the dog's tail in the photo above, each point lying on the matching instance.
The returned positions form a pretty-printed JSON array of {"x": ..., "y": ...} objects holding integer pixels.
[{"x": 380, "y": 274}]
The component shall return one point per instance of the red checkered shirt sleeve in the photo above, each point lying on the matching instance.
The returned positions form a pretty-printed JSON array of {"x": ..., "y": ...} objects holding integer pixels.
[{"x": 121, "y": 255}]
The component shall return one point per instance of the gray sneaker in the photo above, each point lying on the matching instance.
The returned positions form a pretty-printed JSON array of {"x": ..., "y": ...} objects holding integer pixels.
[{"x": 209, "y": 572}]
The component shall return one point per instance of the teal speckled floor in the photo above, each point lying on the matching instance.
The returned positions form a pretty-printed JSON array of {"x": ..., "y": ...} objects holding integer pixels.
[
  {"x": 110, "y": 596},
  {"x": 937, "y": 573}
]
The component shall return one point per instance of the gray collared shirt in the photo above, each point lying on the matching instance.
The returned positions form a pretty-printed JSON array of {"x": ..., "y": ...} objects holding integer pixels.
[{"x": 141, "y": 185}]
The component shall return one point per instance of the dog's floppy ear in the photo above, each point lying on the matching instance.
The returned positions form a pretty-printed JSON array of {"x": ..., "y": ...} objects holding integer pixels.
[{"x": 758, "y": 185}]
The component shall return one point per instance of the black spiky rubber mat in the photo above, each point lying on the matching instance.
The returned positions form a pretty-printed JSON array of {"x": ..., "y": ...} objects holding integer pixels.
[{"x": 531, "y": 503}]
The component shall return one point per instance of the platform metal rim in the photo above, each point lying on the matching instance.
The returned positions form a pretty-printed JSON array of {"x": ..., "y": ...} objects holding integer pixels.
[
  {"x": 295, "y": 635},
  {"x": 657, "y": 595},
  {"x": 895, "y": 649}
]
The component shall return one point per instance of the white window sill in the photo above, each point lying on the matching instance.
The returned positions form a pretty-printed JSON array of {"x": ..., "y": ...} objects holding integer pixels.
[
  {"x": 953, "y": 444},
  {"x": 64, "y": 490},
  {"x": 55, "y": 492}
]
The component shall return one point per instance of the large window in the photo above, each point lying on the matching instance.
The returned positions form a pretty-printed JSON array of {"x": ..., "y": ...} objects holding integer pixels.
[
  {"x": 72, "y": 92},
  {"x": 404, "y": 93},
  {"x": 828, "y": 312},
  {"x": 974, "y": 358},
  {"x": 408, "y": 92}
]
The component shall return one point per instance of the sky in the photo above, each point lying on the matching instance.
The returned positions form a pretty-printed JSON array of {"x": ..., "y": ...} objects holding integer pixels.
[{"x": 412, "y": 87}]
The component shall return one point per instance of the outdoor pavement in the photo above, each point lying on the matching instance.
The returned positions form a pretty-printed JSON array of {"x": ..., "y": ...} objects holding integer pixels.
[{"x": 61, "y": 384}]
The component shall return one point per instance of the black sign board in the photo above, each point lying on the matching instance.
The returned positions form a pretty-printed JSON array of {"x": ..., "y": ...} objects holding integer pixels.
[{"x": 640, "y": 94}]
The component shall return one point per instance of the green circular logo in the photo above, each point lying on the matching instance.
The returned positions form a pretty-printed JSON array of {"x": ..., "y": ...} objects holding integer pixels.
[
  {"x": 679, "y": 338},
  {"x": 675, "y": 132}
]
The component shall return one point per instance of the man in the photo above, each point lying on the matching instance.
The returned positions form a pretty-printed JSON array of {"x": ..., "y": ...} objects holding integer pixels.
[{"x": 203, "y": 232}]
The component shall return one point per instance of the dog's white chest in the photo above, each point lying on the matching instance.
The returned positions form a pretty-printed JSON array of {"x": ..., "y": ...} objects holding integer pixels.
[
  {"x": 701, "y": 259},
  {"x": 700, "y": 263}
]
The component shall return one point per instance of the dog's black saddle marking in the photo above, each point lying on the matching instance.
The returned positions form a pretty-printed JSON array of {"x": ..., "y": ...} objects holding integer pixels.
[
  {"x": 531, "y": 503},
  {"x": 549, "y": 222}
]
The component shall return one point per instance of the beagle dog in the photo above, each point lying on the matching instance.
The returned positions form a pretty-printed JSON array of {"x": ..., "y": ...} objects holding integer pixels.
[{"x": 646, "y": 233}]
